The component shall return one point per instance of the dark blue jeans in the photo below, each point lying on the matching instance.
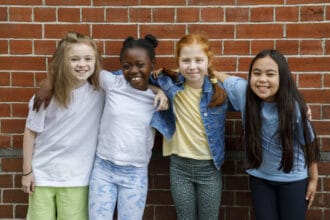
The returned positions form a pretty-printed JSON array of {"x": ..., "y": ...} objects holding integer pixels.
[
  {"x": 279, "y": 200},
  {"x": 196, "y": 188}
]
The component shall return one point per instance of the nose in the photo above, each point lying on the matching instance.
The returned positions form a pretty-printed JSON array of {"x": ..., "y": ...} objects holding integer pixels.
[
  {"x": 81, "y": 62},
  {"x": 192, "y": 65}
]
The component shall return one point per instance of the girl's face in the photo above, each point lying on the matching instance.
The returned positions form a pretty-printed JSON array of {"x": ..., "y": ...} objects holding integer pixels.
[
  {"x": 193, "y": 64},
  {"x": 82, "y": 61},
  {"x": 264, "y": 79},
  {"x": 136, "y": 65}
]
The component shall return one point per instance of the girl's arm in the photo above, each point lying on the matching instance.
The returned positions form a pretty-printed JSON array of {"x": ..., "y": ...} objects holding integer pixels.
[
  {"x": 312, "y": 183},
  {"x": 220, "y": 75},
  {"x": 161, "y": 100},
  {"x": 28, "y": 181}
]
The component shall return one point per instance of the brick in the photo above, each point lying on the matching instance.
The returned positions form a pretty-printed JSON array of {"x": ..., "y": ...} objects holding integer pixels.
[
  {"x": 228, "y": 198},
  {"x": 19, "y": 110},
  {"x": 213, "y": 31},
  {"x": 236, "y": 183},
  {"x": 260, "y": 45},
  {"x": 11, "y": 165},
  {"x": 4, "y": 47},
  {"x": 19, "y": 2},
  {"x": 309, "y": 64},
  {"x": 161, "y": 2},
  {"x": 326, "y": 112},
  {"x": 311, "y": 47},
  {"x": 326, "y": 184},
  {"x": 3, "y": 14},
  {"x": 310, "y": 80},
  {"x": 6, "y": 211},
  {"x": 14, "y": 196},
  {"x": 14, "y": 30},
  {"x": 69, "y": 14},
  {"x": 117, "y": 15},
  {"x": 263, "y": 14},
  {"x": 15, "y": 94},
  {"x": 106, "y": 31},
  {"x": 321, "y": 127},
  {"x": 327, "y": 80},
  {"x": 20, "y": 46},
  {"x": 93, "y": 14},
  {"x": 12, "y": 125},
  {"x": 236, "y": 14},
  {"x": 211, "y": 2},
  {"x": 22, "y": 79},
  {"x": 234, "y": 213},
  {"x": 288, "y": 47},
  {"x": 236, "y": 47},
  {"x": 18, "y": 141},
  {"x": 115, "y": 3},
  {"x": 44, "y": 14},
  {"x": 165, "y": 48},
  {"x": 257, "y": 31},
  {"x": 5, "y": 141},
  {"x": 165, "y": 212},
  {"x": 224, "y": 63},
  {"x": 22, "y": 63},
  {"x": 60, "y": 30},
  {"x": 311, "y": 13},
  {"x": 319, "y": 30},
  {"x": 20, "y": 14},
  {"x": 243, "y": 198},
  {"x": 6, "y": 181},
  {"x": 159, "y": 197},
  {"x": 20, "y": 211},
  {"x": 140, "y": 15},
  {"x": 324, "y": 168},
  {"x": 4, "y": 110},
  {"x": 65, "y": 2},
  {"x": 187, "y": 15},
  {"x": 313, "y": 214},
  {"x": 44, "y": 47},
  {"x": 163, "y": 15},
  {"x": 286, "y": 14},
  {"x": 212, "y": 14},
  {"x": 163, "y": 31},
  {"x": 162, "y": 181}
]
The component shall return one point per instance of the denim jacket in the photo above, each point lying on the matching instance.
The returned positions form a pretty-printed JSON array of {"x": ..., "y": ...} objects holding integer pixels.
[{"x": 213, "y": 118}]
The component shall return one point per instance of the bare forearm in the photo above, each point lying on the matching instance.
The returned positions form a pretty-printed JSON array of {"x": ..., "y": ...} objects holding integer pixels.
[{"x": 28, "y": 146}]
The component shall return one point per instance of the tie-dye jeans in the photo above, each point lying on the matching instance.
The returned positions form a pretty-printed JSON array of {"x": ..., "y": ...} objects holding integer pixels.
[{"x": 111, "y": 185}]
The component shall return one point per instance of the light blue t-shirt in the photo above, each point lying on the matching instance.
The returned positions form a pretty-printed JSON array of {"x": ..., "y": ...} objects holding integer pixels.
[{"x": 271, "y": 147}]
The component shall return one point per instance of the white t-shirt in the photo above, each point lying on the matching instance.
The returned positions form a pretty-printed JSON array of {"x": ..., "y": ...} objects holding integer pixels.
[
  {"x": 126, "y": 137},
  {"x": 66, "y": 138}
]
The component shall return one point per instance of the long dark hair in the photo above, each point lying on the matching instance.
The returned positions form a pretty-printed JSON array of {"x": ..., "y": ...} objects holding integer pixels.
[{"x": 287, "y": 98}]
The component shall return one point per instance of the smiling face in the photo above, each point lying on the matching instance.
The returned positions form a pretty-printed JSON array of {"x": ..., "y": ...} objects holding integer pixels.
[
  {"x": 136, "y": 65},
  {"x": 264, "y": 78},
  {"x": 193, "y": 64},
  {"x": 82, "y": 61}
]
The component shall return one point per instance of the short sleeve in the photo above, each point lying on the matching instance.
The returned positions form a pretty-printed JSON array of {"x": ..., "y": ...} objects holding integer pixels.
[{"x": 36, "y": 120}]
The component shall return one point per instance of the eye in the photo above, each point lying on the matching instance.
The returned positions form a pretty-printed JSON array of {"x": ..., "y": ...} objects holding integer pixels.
[
  {"x": 256, "y": 73},
  {"x": 89, "y": 59},
  {"x": 126, "y": 66},
  {"x": 74, "y": 59},
  {"x": 140, "y": 65}
]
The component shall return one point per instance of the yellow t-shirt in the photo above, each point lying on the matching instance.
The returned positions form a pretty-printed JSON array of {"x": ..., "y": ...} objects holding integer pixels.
[{"x": 189, "y": 139}]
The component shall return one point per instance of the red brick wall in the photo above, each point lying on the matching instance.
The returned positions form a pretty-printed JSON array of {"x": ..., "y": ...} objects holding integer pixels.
[{"x": 237, "y": 29}]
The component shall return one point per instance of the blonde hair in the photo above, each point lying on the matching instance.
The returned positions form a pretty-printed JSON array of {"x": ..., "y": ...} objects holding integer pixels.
[
  {"x": 219, "y": 95},
  {"x": 63, "y": 81}
]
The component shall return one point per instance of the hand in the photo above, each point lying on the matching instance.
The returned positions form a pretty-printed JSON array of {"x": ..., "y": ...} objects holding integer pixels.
[
  {"x": 161, "y": 100},
  {"x": 311, "y": 190},
  {"x": 44, "y": 94},
  {"x": 28, "y": 183},
  {"x": 309, "y": 113},
  {"x": 156, "y": 73}
]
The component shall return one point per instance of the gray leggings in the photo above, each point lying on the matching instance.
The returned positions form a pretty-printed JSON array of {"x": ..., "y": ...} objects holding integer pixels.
[{"x": 196, "y": 188}]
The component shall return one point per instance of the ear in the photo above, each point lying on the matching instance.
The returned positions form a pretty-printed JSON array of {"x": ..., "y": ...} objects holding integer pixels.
[{"x": 153, "y": 63}]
